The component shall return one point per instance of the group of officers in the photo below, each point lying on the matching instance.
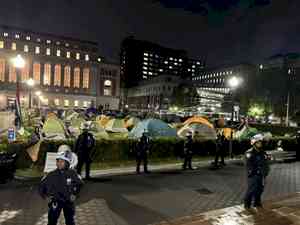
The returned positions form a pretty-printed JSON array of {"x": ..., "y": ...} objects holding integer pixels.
[{"x": 62, "y": 186}]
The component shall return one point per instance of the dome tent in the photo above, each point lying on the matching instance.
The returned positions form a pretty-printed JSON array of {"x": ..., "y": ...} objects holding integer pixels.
[
  {"x": 53, "y": 128},
  {"x": 116, "y": 126},
  {"x": 154, "y": 128},
  {"x": 98, "y": 131},
  {"x": 199, "y": 120},
  {"x": 201, "y": 131},
  {"x": 132, "y": 122}
]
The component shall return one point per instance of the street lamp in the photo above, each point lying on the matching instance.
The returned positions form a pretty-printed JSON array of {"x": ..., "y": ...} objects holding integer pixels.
[
  {"x": 30, "y": 83},
  {"x": 19, "y": 63},
  {"x": 233, "y": 83}
]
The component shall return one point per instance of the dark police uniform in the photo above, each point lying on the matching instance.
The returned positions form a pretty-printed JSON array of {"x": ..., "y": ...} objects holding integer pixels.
[
  {"x": 61, "y": 187},
  {"x": 220, "y": 150},
  {"x": 142, "y": 151},
  {"x": 257, "y": 170},
  {"x": 188, "y": 153},
  {"x": 84, "y": 149},
  {"x": 298, "y": 146}
]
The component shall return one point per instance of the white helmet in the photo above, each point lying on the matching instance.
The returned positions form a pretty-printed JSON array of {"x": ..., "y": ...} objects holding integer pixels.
[
  {"x": 189, "y": 133},
  {"x": 256, "y": 138},
  {"x": 65, "y": 153},
  {"x": 85, "y": 126}
]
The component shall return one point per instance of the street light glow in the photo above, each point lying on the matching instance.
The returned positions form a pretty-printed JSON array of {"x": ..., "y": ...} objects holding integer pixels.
[
  {"x": 18, "y": 61},
  {"x": 233, "y": 82},
  {"x": 30, "y": 82},
  {"x": 38, "y": 93}
]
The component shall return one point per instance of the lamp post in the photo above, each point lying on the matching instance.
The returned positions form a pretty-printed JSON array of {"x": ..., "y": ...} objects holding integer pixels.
[
  {"x": 18, "y": 63},
  {"x": 30, "y": 84},
  {"x": 39, "y": 95},
  {"x": 233, "y": 83}
]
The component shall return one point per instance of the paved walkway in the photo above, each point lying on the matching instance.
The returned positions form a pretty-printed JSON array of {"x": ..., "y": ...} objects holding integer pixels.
[{"x": 282, "y": 211}]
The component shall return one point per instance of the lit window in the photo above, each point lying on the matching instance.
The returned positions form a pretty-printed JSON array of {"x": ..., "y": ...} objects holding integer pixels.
[
  {"x": 45, "y": 101},
  {"x": 37, "y": 50},
  {"x": 25, "y": 73},
  {"x": 171, "y": 58},
  {"x": 146, "y": 54},
  {"x": 76, "y": 103},
  {"x": 57, "y": 75},
  {"x": 58, "y": 52},
  {"x": 28, "y": 38},
  {"x": 26, "y": 49},
  {"x": 47, "y": 74},
  {"x": 38, "y": 40},
  {"x": 144, "y": 77},
  {"x": 13, "y": 46},
  {"x": 37, "y": 72},
  {"x": 17, "y": 36},
  {"x": 144, "y": 72},
  {"x": 99, "y": 59},
  {"x": 5, "y": 34},
  {"x": 67, "y": 76},
  {"x": 68, "y": 55},
  {"x": 86, "y": 78},
  {"x": 12, "y": 76},
  {"x": 77, "y": 56},
  {"x": 145, "y": 68},
  {"x": 146, "y": 59},
  {"x": 66, "y": 103},
  {"x": 189, "y": 70},
  {"x": 87, "y": 58},
  {"x": 2, "y": 70},
  {"x": 166, "y": 62},
  {"x": 150, "y": 73},
  {"x": 180, "y": 60},
  {"x": 176, "y": 64},
  {"x": 67, "y": 45},
  {"x": 77, "y": 77},
  {"x": 48, "y": 51},
  {"x": 48, "y": 42},
  {"x": 58, "y": 43},
  {"x": 198, "y": 63},
  {"x": 56, "y": 102},
  {"x": 161, "y": 70},
  {"x": 145, "y": 63},
  {"x": 1, "y": 44},
  {"x": 170, "y": 67},
  {"x": 193, "y": 66}
]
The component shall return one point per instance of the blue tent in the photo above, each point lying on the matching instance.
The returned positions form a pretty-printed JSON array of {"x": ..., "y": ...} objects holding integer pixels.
[{"x": 154, "y": 128}]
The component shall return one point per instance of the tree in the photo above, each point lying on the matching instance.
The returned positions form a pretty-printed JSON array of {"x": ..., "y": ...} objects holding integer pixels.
[{"x": 259, "y": 107}]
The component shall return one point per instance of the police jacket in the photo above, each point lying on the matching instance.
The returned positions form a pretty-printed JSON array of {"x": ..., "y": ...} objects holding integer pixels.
[
  {"x": 257, "y": 163},
  {"x": 188, "y": 146},
  {"x": 84, "y": 145},
  {"x": 59, "y": 185},
  {"x": 143, "y": 145}
]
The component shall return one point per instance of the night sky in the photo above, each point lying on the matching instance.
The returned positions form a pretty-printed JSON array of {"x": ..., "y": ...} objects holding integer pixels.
[{"x": 232, "y": 32}]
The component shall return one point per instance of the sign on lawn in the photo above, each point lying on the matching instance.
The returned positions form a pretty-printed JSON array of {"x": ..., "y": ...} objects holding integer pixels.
[
  {"x": 50, "y": 163},
  {"x": 11, "y": 135}
]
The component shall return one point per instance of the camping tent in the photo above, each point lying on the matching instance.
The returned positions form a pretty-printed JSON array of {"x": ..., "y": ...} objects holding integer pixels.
[
  {"x": 154, "y": 128},
  {"x": 199, "y": 120},
  {"x": 132, "y": 122},
  {"x": 200, "y": 130},
  {"x": 245, "y": 133},
  {"x": 116, "y": 126},
  {"x": 102, "y": 120},
  {"x": 53, "y": 128},
  {"x": 98, "y": 131}
]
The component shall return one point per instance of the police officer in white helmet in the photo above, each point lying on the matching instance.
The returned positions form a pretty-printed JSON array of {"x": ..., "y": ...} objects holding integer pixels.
[
  {"x": 257, "y": 170},
  {"x": 61, "y": 187}
]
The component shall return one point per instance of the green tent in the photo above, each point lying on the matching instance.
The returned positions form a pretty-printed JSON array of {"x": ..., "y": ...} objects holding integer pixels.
[
  {"x": 54, "y": 129},
  {"x": 154, "y": 128},
  {"x": 116, "y": 126},
  {"x": 245, "y": 133},
  {"x": 98, "y": 131}
]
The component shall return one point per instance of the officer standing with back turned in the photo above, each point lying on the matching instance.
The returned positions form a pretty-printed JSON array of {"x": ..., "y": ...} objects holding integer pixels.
[
  {"x": 188, "y": 151},
  {"x": 257, "y": 171},
  {"x": 142, "y": 152}
]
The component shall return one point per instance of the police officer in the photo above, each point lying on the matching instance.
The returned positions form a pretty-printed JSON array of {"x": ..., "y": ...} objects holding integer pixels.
[
  {"x": 220, "y": 150},
  {"x": 142, "y": 151},
  {"x": 61, "y": 187},
  {"x": 84, "y": 148},
  {"x": 257, "y": 171},
  {"x": 298, "y": 146},
  {"x": 188, "y": 151}
]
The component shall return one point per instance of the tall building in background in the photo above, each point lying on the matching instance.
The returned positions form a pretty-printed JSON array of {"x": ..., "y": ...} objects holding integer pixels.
[
  {"x": 69, "y": 72},
  {"x": 144, "y": 60}
]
